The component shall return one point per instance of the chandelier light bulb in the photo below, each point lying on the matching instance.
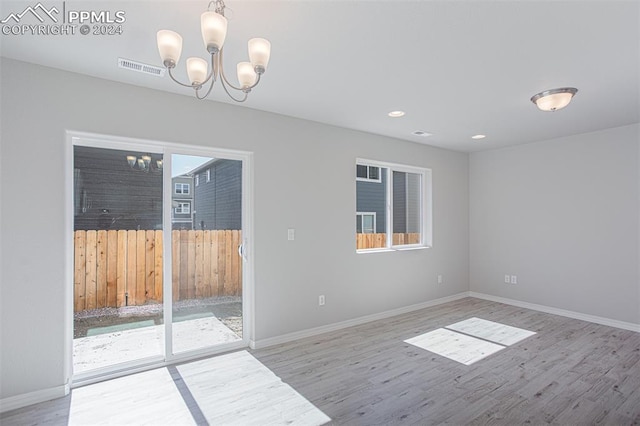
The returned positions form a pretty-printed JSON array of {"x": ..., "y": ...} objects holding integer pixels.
[
  {"x": 259, "y": 53},
  {"x": 246, "y": 75},
  {"x": 214, "y": 31},
  {"x": 170, "y": 47},
  {"x": 197, "y": 70}
]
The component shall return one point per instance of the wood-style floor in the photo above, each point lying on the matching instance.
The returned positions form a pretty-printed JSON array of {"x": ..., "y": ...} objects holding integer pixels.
[{"x": 569, "y": 372}]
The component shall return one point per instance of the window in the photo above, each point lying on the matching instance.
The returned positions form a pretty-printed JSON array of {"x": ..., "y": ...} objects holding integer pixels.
[
  {"x": 197, "y": 177},
  {"x": 208, "y": 174},
  {"x": 182, "y": 188},
  {"x": 183, "y": 208},
  {"x": 395, "y": 198},
  {"x": 366, "y": 223},
  {"x": 368, "y": 173}
]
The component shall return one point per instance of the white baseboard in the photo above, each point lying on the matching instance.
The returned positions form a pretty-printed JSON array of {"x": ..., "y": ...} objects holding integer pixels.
[
  {"x": 29, "y": 398},
  {"x": 557, "y": 311},
  {"x": 263, "y": 343}
]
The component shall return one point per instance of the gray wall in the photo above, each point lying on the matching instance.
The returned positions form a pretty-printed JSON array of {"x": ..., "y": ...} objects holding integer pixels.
[
  {"x": 563, "y": 216},
  {"x": 39, "y": 104}
]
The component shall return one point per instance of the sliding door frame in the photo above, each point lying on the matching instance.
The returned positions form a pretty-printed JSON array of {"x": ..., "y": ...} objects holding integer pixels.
[{"x": 167, "y": 149}]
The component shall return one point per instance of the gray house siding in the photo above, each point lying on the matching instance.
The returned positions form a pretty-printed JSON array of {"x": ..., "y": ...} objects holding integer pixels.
[
  {"x": 218, "y": 203},
  {"x": 399, "y": 202},
  {"x": 406, "y": 202},
  {"x": 413, "y": 202},
  {"x": 108, "y": 194},
  {"x": 370, "y": 197}
]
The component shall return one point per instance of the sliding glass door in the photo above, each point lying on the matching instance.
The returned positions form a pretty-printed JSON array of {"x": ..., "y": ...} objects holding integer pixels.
[
  {"x": 118, "y": 258},
  {"x": 158, "y": 255},
  {"x": 206, "y": 240}
]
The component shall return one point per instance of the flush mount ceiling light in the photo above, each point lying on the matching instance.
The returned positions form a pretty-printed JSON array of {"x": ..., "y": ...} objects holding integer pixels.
[
  {"x": 396, "y": 114},
  {"x": 554, "y": 99},
  {"x": 478, "y": 136},
  {"x": 213, "y": 26}
]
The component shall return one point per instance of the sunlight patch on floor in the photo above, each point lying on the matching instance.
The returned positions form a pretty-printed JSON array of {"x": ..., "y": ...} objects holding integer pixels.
[
  {"x": 233, "y": 389},
  {"x": 458, "y": 347},
  {"x": 492, "y": 331},
  {"x": 236, "y": 388},
  {"x": 481, "y": 338},
  {"x": 146, "y": 398}
]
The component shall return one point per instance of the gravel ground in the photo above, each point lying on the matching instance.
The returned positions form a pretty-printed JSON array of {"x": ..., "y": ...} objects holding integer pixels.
[{"x": 227, "y": 309}]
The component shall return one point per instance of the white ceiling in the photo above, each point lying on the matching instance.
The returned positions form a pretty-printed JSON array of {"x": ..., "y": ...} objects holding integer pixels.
[{"x": 457, "y": 68}]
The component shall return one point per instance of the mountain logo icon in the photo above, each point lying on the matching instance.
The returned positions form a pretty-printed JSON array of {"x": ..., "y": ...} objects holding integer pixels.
[{"x": 39, "y": 11}]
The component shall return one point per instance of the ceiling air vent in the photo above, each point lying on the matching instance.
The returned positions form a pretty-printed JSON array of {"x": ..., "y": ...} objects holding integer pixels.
[{"x": 128, "y": 64}]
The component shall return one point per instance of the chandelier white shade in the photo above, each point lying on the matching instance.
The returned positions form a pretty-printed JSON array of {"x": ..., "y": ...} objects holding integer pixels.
[
  {"x": 554, "y": 99},
  {"x": 214, "y": 30},
  {"x": 213, "y": 26},
  {"x": 197, "y": 71},
  {"x": 259, "y": 52},
  {"x": 143, "y": 163},
  {"x": 169, "y": 46},
  {"x": 246, "y": 75}
]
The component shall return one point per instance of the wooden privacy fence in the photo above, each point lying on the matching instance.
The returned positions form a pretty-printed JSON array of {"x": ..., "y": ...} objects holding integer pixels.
[
  {"x": 367, "y": 241},
  {"x": 124, "y": 268}
]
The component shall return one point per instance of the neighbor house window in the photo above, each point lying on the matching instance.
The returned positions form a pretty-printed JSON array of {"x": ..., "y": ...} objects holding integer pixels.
[
  {"x": 182, "y": 188},
  {"x": 183, "y": 208},
  {"x": 393, "y": 206},
  {"x": 197, "y": 177},
  {"x": 208, "y": 174},
  {"x": 368, "y": 173},
  {"x": 366, "y": 223}
]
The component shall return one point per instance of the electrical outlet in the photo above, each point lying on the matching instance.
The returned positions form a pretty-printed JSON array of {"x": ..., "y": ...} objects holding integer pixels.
[
  {"x": 507, "y": 279},
  {"x": 514, "y": 279},
  {"x": 439, "y": 279},
  {"x": 321, "y": 300},
  {"x": 291, "y": 234}
]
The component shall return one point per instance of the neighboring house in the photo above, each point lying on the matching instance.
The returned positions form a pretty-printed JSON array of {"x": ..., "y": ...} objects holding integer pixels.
[
  {"x": 371, "y": 182},
  {"x": 182, "y": 202},
  {"x": 110, "y": 195},
  {"x": 217, "y": 195}
]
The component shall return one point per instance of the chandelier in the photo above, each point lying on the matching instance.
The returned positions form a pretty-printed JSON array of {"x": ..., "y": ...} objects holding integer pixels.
[
  {"x": 144, "y": 163},
  {"x": 214, "y": 30}
]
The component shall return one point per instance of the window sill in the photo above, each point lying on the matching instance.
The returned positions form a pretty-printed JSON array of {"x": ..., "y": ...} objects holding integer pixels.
[{"x": 392, "y": 249}]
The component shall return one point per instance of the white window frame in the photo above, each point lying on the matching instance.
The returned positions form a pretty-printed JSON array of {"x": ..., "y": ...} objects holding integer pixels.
[
  {"x": 426, "y": 223},
  {"x": 197, "y": 179},
  {"x": 181, "y": 205},
  {"x": 208, "y": 174},
  {"x": 362, "y": 214},
  {"x": 182, "y": 187},
  {"x": 368, "y": 179}
]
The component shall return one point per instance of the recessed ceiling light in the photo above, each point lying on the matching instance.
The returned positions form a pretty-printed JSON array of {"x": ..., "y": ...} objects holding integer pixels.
[
  {"x": 422, "y": 133},
  {"x": 396, "y": 114},
  {"x": 478, "y": 136}
]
